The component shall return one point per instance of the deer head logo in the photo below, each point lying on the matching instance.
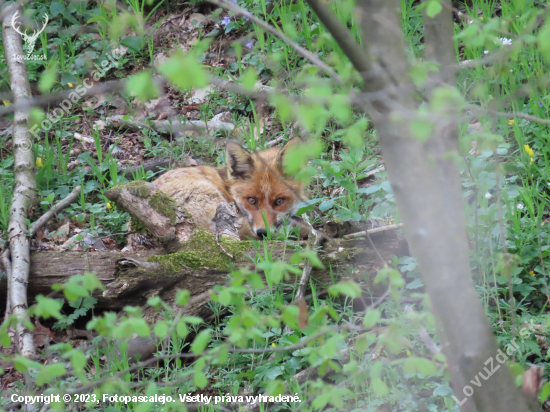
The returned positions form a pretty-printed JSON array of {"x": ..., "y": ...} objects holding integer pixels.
[{"x": 30, "y": 40}]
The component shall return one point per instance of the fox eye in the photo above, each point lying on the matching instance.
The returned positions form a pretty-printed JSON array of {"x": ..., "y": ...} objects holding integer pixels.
[
  {"x": 251, "y": 200},
  {"x": 279, "y": 201}
]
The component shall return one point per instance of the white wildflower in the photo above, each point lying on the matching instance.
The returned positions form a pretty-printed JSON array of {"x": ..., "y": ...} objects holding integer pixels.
[
  {"x": 520, "y": 206},
  {"x": 488, "y": 195},
  {"x": 505, "y": 41}
]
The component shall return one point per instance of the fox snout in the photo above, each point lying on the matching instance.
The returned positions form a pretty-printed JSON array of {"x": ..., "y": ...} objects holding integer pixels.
[{"x": 258, "y": 223}]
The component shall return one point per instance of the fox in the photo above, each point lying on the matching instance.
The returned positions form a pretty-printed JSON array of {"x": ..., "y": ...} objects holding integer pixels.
[{"x": 255, "y": 182}]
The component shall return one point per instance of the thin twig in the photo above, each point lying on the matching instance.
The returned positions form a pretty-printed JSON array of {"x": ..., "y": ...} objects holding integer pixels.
[
  {"x": 280, "y": 35},
  {"x": 41, "y": 101},
  {"x": 424, "y": 335},
  {"x": 507, "y": 115},
  {"x": 314, "y": 241},
  {"x": 372, "y": 231},
  {"x": 53, "y": 211}
]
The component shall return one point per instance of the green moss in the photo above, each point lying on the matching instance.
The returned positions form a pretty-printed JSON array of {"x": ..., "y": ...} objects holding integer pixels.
[
  {"x": 165, "y": 205},
  {"x": 138, "y": 188},
  {"x": 202, "y": 251},
  {"x": 137, "y": 226}
]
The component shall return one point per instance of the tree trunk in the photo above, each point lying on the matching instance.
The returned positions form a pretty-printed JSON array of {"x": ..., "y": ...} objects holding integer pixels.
[
  {"x": 427, "y": 186},
  {"x": 24, "y": 191}
]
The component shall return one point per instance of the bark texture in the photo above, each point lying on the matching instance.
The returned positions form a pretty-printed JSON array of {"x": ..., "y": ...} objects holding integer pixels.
[{"x": 25, "y": 191}]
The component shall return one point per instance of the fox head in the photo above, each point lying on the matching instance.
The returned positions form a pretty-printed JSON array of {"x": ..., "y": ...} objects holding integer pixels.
[{"x": 260, "y": 187}]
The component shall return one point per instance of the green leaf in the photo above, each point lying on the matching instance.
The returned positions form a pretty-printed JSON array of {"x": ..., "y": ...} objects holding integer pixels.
[
  {"x": 361, "y": 343},
  {"x": 142, "y": 86},
  {"x": 48, "y": 78},
  {"x": 434, "y": 8},
  {"x": 376, "y": 369},
  {"x": 309, "y": 254},
  {"x": 184, "y": 72},
  {"x": 544, "y": 40},
  {"x": 297, "y": 156},
  {"x": 182, "y": 296},
  {"x": 193, "y": 320},
  {"x": 49, "y": 372},
  {"x": 275, "y": 387},
  {"x": 348, "y": 288},
  {"x": 91, "y": 282},
  {"x": 326, "y": 205},
  {"x": 201, "y": 342},
  {"x": 421, "y": 128},
  {"x": 353, "y": 137},
  {"x": 139, "y": 326},
  {"x": 420, "y": 365},
  {"x": 47, "y": 308},
  {"x": 135, "y": 43},
  {"x": 78, "y": 360},
  {"x": 321, "y": 399},
  {"x": 222, "y": 355},
  {"x": 160, "y": 329},
  {"x": 73, "y": 291},
  {"x": 379, "y": 387},
  {"x": 290, "y": 316},
  {"x": 249, "y": 78},
  {"x": 283, "y": 107},
  {"x": 5, "y": 339},
  {"x": 544, "y": 392},
  {"x": 340, "y": 108},
  {"x": 200, "y": 379},
  {"x": 181, "y": 329},
  {"x": 56, "y": 8},
  {"x": 371, "y": 317}
]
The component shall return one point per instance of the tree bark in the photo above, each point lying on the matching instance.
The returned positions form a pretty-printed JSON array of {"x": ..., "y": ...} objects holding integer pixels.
[
  {"x": 25, "y": 190},
  {"x": 427, "y": 188}
]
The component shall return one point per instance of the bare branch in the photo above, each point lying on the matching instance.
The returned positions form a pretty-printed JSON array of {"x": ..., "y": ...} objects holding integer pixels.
[
  {"x": 357, "y": 55},
  {"x": 53, "y": 211}
]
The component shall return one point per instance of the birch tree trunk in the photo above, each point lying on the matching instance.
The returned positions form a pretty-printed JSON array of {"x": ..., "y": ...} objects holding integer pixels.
[
  {"x": 25, "y": 190},
  {"x": 427, "y": 187}
]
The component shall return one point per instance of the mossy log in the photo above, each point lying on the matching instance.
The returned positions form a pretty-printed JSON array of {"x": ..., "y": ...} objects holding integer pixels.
[
  {"x": 165, "y": 219},
  {"x": 131, "y": 278}
]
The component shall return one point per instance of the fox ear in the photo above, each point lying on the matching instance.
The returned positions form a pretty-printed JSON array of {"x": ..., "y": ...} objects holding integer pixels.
[
  {"x": 239, "y": 161},
  {"x": 281, "y": 157}
]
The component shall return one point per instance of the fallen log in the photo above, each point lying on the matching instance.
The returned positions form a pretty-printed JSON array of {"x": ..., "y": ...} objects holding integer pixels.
[{"x": 130, "y": 278}]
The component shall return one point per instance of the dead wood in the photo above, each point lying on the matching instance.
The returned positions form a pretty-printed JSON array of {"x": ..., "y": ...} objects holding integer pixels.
[{"x": 131, "y": 278}]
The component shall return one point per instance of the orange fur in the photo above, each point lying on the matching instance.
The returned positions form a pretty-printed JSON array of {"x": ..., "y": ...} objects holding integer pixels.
[{"x": 255, "y": 182}]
